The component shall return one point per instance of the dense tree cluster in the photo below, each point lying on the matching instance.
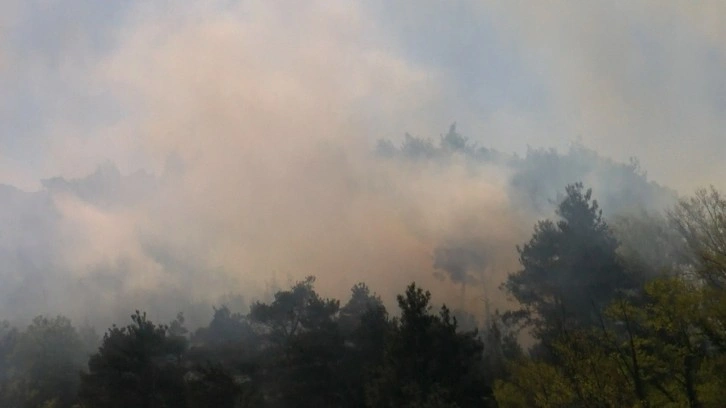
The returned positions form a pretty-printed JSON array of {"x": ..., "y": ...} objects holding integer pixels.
[
  {"x": 606, "y": 330},
  {"x": 299, "y": 350},
  {"x": 627, "y": 338},
  {"x": 540, "y": 174}
]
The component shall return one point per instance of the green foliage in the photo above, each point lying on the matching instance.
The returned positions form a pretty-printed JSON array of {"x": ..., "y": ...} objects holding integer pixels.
[
  {"x": 43, "y": 366},
  {"x": 364, "y": 324},
  {"x": 500, "y": 347},
  {"x": 225, "y": 327},
  {"x": 212, "y": 385},
  {"x": 416, "y": 148},
  {"x": 701, "y": 220},
  {"x": 427, "y": 362},
  {"x": 361, "y": 301},
  {"x": 296, "y": 310},
  {"x": 137, "y": 365},
  {"x": 570, "y": 268},
  {"x": 623, "y": 187},
  {"x": 650, "y": 354},
  {"x": 661, "y": 347},
  {"x": 650, "y": 246},
  {"x": 302, "y": 330},
  {"x": 451, "y": 143},
  {"x": 534, "y": 384},
  {"x": 8, "y": 340},
  {"x": 454, "y": 141}
]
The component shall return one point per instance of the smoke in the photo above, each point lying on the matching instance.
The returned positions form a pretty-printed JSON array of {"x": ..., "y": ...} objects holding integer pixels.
[
  {"x": 234, "y": 141},
  {"x": 631, "y": 78},
  {"x": 253, "y": 123}
]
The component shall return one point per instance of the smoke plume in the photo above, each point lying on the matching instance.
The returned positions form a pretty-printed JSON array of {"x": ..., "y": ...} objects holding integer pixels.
[{"x": 163, "y": 156}]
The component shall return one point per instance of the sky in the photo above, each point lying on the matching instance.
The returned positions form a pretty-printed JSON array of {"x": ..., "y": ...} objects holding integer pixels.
[
  {"x": 268, "y": 106},
  {"x": 627, "y": 78}
]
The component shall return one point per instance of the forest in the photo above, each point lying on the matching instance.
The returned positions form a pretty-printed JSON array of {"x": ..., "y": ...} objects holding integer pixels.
[
  {"x": 628, "y": 313},
  {"x": 362, "y": 203}
]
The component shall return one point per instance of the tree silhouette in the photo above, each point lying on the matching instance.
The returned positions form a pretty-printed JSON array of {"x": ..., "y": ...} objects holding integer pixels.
[
  {"x": 570, "y": 268},
  {"x": 427, "y": 362},
  {"x": 136, "y": 366}
]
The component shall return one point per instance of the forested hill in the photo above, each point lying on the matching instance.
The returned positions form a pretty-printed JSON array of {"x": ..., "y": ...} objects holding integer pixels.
[{"x": 536, "y": 180}]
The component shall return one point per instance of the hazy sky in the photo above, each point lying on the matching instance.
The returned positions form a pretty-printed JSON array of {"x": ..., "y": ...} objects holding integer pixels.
[
  {"x": 626, "y": 77},
  {"x": 272, "y": 108}
]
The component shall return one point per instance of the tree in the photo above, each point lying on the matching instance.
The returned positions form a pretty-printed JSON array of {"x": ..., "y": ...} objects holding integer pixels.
[
  {"x": 213, "y": 385},
  {"x": 136, "y": 366},
  {"x": 701, "y": 221},
  {"x": 453, "y": 141},
  {"x": 534, "y": 384},
  {"x": 306, "y": 347},
  {"x": 46, "y": 359},
  {"x": 650, "y": 245},
  {"x": 427, "y": 362},
  {"x": 668, "y": 341},
  {"x": 8, "y": 340},
  {"x": 652, "y": 353},
  {"x": 224, "y": 360},
  {"x": 418, "y": 148},
  {"x": 361, "y": 301},
  {"x": 570, "y": 269},
  {"x": 500, "y": 347},
  {"x": 225, "y": 327},
  {"x": 296, "y": 310},
  {"x": 365, "y": 327}
]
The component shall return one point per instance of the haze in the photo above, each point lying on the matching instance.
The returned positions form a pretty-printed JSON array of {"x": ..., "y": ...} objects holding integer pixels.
[{"x": 166, "y": 154}]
